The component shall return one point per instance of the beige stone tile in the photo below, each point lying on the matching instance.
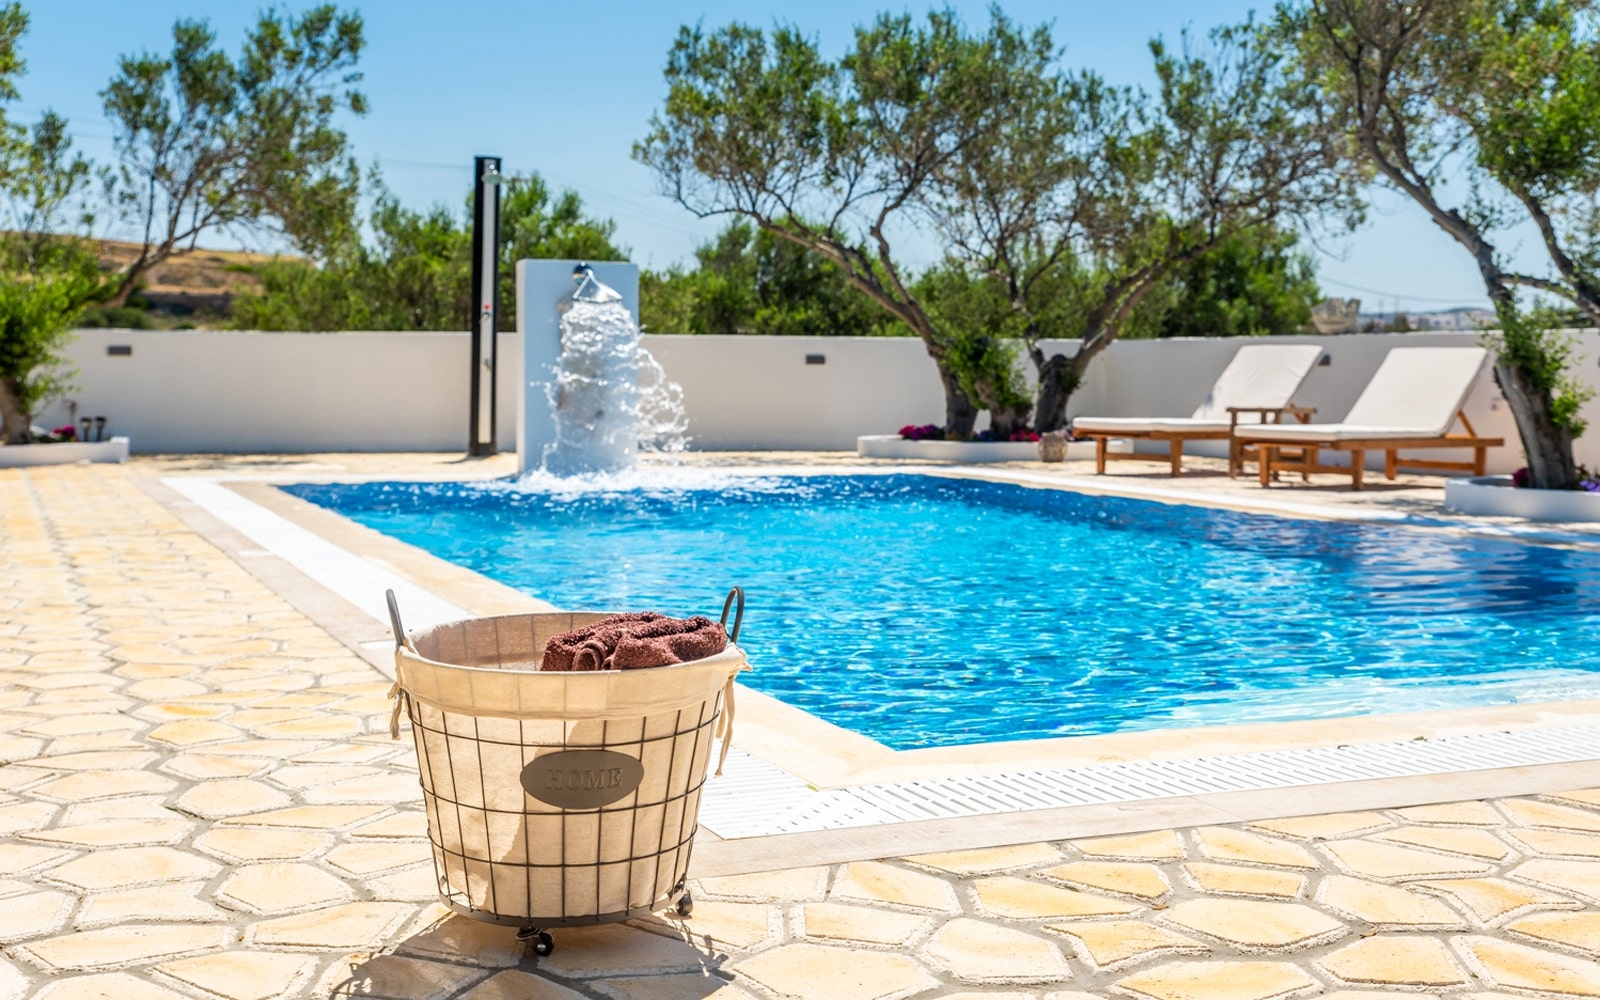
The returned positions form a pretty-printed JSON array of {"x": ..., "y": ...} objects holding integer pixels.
[
  {"x": 33, "y": 915},
  {"x": 417, "y": 883},
  {"x": 1395, "y": 960},
  {"x": 1022, "y": 899},
  {"x": 363, "y": 860},
  {"x": 1517, "y": 966},
  {"x": 989, "y": 861},
  {"x": 261, "y": 845},
  {"x": 1389, "y": 862},
  {"x": 124, "y": 867},
  {"x": 696, "y": 987},
  {"x": 231, "y": 797},
  {"x": 516, "y": 985},
  {"x": 16, "y": 776},
  {"x": 239, "y": 975},
  {"x": 1220, "y": 843},
  {"x": 117, "y": 946},
  {"x": 1492, "y": 900},
  {"x": 1189, "y": 980},
  {"x": 820, "y": 972},
  {"x": 1532, "y": 812},
  {"x": 104, "y": 760},
  {"x": 1330, "y": 826},
  {"x": 310, "y": 817},
  {"x": 83, "y": 725},
  {"x": 329, "y": 727},
  {"x": 837, "y": 922},
  {"x": 409, "y": 825},
  {"x": 976, "y": 951},
  {"x": 439, "y": 933},
  {"x": 22, "y": 816},
  {"x": 1385, "y": 906},
  {"x": 165, "y": 690},
  {"x": 1575, "y": 930},
  {"x": 1161, "y": 845},
  {"x": 720, "y": 924},
  {"x": 349, "y": 753},
  {"x": 876, "y": 882},
  {"x": 181, "y": 901},
  {"x": 1569, "y": 877},
  {"x": 297, "y": 776},
  {"x": 1238, "y": 880},
  {"x": 346, "y": 927},
  {"x": 389, "y": 787},
  {"x": 395, "y": 977},
  {"x": 106, "y": 986},
  {"x": 619, "y": 950},
  {"x": 124, "y": 808},
  {"x": 1473, "y": 843},
  {"x": 104, "y": 784},
  {"x": 789, "y": 885},
  {"x": 134, "y": 832},
  {"x": 192, "y": 732},
  {"x": 18, "y": 858},
  {"x": 1582, "y": 796},
  {"x": 1110, "y": 944},
  {"x": 177, "y": 711},
  {"x": 281, "y": 888},
  {"x": 1255, "y": 924},
  {"x": 206, "y": 767},
  {"x": 1127, "y": 878},
  {"x": 1557, "y": 843}
]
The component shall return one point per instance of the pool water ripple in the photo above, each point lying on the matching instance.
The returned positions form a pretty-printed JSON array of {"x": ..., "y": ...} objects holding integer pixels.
[{"x": 927, "y": 611}]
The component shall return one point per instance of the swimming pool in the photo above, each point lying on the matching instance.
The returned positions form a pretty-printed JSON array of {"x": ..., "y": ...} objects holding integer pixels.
[{"x": 934, "y": 611}]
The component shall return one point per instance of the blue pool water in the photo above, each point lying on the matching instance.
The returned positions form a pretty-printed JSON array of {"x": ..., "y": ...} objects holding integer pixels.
[{"x": 927, "y": 611}]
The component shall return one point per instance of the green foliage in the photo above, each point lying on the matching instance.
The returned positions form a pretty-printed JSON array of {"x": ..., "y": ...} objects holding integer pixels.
[
  {"x": 115, "y": 318},
  {"x": 1533, "y": 341},
  {"x": 750, "y": 281},
  {"x": 415, "y": 272},
  {"x": 1253, "y": 284},
  {"x": 982, "y": 330},
  {"x": 206, "y": 141}
]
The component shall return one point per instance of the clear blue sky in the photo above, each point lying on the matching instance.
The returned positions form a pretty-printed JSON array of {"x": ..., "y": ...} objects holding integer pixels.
[{"x": 566, "y": 88}]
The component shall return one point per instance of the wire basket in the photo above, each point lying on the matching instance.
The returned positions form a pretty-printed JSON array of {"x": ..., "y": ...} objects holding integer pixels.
[{"x": 558, "y": 799}]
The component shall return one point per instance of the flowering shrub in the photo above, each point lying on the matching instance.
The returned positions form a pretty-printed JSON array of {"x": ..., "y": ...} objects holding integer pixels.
[
  {"x": 1024, "y": 435},
  {"x": 925, "y": 432},
  {"x": 66, "y": 432},
  {"x": 1587, "y": 480}
]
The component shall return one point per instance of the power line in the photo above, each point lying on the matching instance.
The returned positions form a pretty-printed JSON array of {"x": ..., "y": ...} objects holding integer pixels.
[{"x": 1389, "y": 295}]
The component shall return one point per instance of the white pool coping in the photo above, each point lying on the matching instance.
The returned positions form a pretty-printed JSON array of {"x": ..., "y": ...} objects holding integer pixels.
[{"x": 757, "y": 798}]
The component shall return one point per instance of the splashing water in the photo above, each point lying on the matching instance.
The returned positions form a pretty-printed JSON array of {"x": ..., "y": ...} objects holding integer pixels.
[{"x": 610, "y": 398}]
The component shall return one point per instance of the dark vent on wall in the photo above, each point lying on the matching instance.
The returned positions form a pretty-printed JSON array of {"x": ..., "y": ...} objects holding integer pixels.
[
  {"x": 816, "y": 359},
  {"x": 119, "y": 350}
]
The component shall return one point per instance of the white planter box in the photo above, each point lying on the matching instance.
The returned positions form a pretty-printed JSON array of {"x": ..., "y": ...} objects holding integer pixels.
[
  {"x": 964, "y": 452},
  {"x": 16, "y": 456},
  {"x": 1494, "y": 496}
]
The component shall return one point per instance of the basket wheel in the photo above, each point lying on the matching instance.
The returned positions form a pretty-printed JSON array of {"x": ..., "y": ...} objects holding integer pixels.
[
  {"x": 685, "y": 905},
  {"x": 539, "y": 940}
]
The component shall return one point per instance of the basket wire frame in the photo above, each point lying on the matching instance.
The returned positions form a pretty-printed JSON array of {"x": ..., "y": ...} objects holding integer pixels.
[{"x": 504, "y": 857}]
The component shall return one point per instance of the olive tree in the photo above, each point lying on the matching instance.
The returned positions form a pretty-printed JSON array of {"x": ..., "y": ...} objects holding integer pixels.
[
  {"x": 1507, "y": 91},
  {"x": 1111, "y": 192},
  {"x": 209, "y": 142},
  {"x": 839, "y": 157}
]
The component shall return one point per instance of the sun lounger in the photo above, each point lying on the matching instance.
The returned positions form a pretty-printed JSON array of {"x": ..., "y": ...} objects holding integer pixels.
[
  {"x": 1261, "y": 380},
  {"x": 1413, "y": 401}
]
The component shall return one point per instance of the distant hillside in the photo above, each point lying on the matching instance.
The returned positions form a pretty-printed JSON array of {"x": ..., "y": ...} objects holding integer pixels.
[{"x": 197, "y": 287}]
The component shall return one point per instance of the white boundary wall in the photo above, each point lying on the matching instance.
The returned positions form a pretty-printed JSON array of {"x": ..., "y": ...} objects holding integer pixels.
[{"x": 204, "y": 391}]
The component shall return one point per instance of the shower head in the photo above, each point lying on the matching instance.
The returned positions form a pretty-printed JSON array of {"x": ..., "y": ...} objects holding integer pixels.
[{"x": 582, "y": 271}]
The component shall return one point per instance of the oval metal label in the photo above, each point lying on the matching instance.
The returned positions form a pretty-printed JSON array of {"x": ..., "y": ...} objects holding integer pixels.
[{"x": 582, "y": 779}]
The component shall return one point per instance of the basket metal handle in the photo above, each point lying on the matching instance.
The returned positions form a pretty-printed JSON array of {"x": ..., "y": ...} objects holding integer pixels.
[{"x": 736, "y": 594}]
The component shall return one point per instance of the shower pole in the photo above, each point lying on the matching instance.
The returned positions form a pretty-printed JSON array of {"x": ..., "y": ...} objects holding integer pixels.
[{"x": 484, "y": 321}]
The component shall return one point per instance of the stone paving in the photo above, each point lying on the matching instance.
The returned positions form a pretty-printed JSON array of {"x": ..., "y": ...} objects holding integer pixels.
[{"x": 199, "y": 798}]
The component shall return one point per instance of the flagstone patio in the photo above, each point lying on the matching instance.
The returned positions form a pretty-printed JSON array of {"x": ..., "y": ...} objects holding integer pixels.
[{"x": 199, "y": 798}]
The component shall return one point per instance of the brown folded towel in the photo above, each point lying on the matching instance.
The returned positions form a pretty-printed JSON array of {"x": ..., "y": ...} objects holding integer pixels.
[{"x": 632, "y": 641}]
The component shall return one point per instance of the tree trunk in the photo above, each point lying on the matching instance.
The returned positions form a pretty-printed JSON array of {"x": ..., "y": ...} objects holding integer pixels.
[
  {"x": 1548, "y": 447},
  {"x": 14, "y": 422},
  {"x": 959, "y": 413},
  {"x": 1050, "y": 407}
]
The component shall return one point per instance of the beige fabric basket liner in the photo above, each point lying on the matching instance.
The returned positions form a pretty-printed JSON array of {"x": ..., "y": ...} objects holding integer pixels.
[{"x": 480, "y": 713}]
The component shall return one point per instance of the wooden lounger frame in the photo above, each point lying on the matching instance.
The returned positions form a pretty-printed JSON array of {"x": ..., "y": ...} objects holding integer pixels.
[
  {"x": 1305, "y": 461},
  {"x": 1238, "y": 451}
]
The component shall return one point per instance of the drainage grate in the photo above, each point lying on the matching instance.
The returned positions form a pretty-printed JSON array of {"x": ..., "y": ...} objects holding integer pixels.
[{"x": 754, "y": 798}]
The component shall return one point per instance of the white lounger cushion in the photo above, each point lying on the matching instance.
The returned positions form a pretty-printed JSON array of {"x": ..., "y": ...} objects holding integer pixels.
[
  {"x": 1260, "y": 375},
  {"x": 1143, "y": 425},
  {"x": 1415, "y": 393}
]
